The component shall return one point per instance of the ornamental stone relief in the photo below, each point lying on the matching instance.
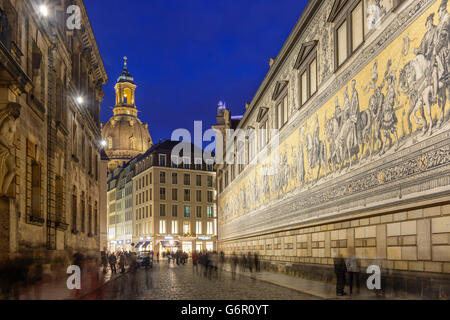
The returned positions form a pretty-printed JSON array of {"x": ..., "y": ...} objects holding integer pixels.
[{"x": 8, "y": 119}]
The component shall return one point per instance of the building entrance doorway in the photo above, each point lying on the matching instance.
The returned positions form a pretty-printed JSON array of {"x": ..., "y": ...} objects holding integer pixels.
[{"x": 187, "y": 246}]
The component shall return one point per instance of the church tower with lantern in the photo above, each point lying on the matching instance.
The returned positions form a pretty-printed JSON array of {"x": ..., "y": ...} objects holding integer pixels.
[{"x": 124, "y": 134}]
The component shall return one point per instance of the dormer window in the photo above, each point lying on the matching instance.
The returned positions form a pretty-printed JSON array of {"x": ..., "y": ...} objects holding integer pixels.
[
  {"x": 162, "y": 160},
  {"x": 187, "y": 162},
  {"x": 306, "y": 63},
  {"x": 348, "y": 18},
  {"x": 280, "y": 96},
  {"x": 198, "y": 164}
]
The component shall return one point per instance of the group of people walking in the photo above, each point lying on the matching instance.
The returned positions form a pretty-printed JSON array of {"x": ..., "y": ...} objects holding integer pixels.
[
  {"x": 249, "y": 261},
  {"x": 178, "y": 257},
  {"x": 119, "y": 259}
]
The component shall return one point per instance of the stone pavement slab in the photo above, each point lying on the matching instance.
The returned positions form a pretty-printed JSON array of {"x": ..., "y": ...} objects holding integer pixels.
[
  {"x": 318, "y": 289},
  {"x": 56, "y": 288}
]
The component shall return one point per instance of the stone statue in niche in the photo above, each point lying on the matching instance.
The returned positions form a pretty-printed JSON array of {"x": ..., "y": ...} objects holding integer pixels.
[{"x": 8, "y": 117}]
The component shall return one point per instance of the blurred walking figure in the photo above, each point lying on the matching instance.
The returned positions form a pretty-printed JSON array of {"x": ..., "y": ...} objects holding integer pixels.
[
  {"x": 353, "y": 273},
  {"x": 222, "y": 260},
  {"x": 195, "y": 261},
  {"x": 340, "y": 269},
  {"x": 206, "y": 264},
  {"x": 122, "y": 262},
  {"x": 215, "y": 263},
  {"x": 234, "y": 263},
  {"x": 184, "y": 258},
  {"x": 112, "y": 262},
  {"x": 104, "y": 261},
  {"x": 243, "y": 264},
  {"x": 257, "y": 266},
  {"x": 249, "y": 262}
]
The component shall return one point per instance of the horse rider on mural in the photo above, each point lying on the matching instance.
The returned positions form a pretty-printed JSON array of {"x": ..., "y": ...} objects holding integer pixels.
[{"x": 441, "y": 57}]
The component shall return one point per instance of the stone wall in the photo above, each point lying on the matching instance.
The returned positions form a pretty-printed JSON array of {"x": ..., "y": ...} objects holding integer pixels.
[{"x": 405, "y": 243}]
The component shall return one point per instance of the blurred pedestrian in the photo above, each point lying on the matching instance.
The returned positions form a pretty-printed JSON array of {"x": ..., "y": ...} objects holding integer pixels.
[
  {"x": 222, "y": 260},
  {"x": 353, "y": 273},
  {"x": 122, "y": 262},
  {"x": 257, "y": 266},
  {"x": 195, "y": 261},
  {"x": 234, "y": 263},
  {"x": 340, "y": 269},
  {"x": 104, "y": 261},
  {"x": 250, "y": 262},
  {"x": 112, "y": 263}
]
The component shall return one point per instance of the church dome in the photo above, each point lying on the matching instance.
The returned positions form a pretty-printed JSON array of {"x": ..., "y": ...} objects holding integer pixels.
[{"x": 125, "y": 135}]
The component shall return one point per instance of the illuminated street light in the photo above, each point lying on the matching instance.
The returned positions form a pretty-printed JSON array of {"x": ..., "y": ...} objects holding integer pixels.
[
  {"x": 103, "y": 143},
  {"x": 80, "y": 100},
  {"x": 43, "y": 9}
]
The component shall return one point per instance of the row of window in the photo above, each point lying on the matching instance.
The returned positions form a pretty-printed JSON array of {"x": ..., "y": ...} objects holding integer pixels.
[
  {"x": 123, "y": 230},
  {"x": 88, "y": 159},
  {"x": 146, "y": 196},
  {"x": 144, "y": 181},
  {"x": 120, "y": 218},
  {"x": 186, "y": 228},
  {"x": 147, "y": 212},
  {"x": 92, "y": 211},
  {"x": 185, "y": 162}
]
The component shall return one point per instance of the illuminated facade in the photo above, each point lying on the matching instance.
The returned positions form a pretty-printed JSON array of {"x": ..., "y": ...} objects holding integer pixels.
[
  {"x": 50, "y": 152},
  {"x": 160, "y": 205},
  {"x": 359, "y": 94},
  {"x": 124, "y": 134}
]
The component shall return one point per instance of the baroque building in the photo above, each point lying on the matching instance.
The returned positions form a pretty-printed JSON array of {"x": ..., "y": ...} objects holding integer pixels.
[
  {"x": 124, "y": 134},
  {"x": 345, "y": 148},
  {"x": 50, "y": 153},
  {"x": 163, "y": 200}
]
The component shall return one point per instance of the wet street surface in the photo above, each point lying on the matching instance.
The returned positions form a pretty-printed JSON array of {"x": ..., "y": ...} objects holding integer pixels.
[{"x": 172, "y": 282}]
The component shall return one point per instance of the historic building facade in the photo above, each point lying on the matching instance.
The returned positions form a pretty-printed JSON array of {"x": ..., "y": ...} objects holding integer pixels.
[
  {"x": 124, "y": 134},
  {"x": 173, "y": 204},
  {"x": 51, "y": 88},
  {"x": 359, "y": 162},
  {"x": 120, "y": 207}
]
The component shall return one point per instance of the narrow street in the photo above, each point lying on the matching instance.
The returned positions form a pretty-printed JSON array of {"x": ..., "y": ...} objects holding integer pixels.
[{"x": 172, "y": 282}]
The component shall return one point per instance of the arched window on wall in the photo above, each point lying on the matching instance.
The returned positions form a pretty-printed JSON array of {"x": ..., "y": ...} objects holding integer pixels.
[
  {"x": 59, "y": 199},
  {"x": 36, "y": 189},
  {"x": 83, "y": 213},
  {"x": 96, "y": 218},
  {"x": 110, "y": 143},
  {"x": 89, "y": 217},
  {"x": 90, "y": 160},
  {"x": 127, "y": 96},
  {"x": 74, "y": 209}
]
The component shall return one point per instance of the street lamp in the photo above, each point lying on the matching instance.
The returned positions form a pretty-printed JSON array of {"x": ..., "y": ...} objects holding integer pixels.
[
  {"x": 80, "y": 99},
  {"x": 43, "y": 10},
  {"x": 103, "y": 143}
]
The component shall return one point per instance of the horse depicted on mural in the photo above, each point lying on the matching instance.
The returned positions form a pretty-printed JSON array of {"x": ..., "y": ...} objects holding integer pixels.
[
  {"x": 425, "y": 79},
  {"x": 317, "y": 150}
]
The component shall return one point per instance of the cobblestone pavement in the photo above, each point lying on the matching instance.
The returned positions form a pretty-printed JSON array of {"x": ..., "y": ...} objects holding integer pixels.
[{"x": 172, "y": 282}]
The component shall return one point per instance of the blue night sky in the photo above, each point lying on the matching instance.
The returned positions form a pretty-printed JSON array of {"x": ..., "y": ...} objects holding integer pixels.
[{"x": 185, "y": 56}]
